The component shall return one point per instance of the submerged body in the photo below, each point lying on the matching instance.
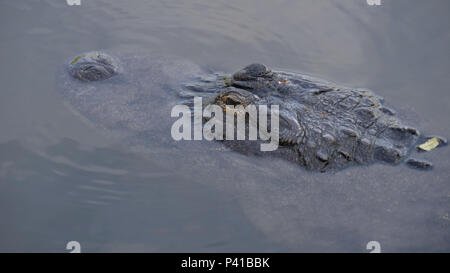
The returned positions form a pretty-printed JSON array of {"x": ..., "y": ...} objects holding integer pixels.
[
  {"x": 129, "y": 99},
  {"x": 322, "y": 126}
]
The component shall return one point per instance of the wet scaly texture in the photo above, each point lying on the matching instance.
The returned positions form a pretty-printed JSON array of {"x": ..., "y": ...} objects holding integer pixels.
[{"x": 322, "y": 126}]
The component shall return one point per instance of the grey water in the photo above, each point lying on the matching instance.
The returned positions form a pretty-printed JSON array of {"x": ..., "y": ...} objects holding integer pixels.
[{"x": 62, "y": 179}]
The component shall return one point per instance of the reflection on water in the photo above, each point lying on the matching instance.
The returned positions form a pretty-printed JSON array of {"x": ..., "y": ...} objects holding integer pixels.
[{"x": 62, "y": 180}]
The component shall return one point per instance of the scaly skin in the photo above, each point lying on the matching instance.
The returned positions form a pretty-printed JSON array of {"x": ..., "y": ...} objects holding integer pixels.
[
  {"x": 322, "y": 126},
  {"x": 93, "y": 66}
]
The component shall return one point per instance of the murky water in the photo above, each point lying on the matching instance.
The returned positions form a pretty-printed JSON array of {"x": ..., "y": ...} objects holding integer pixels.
[{"x": 62, "y": 179}]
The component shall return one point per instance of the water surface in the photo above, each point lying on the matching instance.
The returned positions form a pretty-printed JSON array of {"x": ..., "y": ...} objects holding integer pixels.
[{"x": 62, "y": 179}]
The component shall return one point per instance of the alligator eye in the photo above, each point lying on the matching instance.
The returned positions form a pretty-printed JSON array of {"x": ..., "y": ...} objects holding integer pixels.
[
  {"x": 230, "y": 101},
  {"x": 93, "y": 66},
  {"x": 235, "y": 98}
]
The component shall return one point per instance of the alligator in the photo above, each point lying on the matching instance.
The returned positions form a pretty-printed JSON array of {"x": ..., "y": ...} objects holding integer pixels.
[{"x": 322, "y": 126}]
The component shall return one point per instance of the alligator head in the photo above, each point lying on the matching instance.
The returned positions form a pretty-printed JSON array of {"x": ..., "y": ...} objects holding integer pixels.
[{"x": 321, "y": 126}]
